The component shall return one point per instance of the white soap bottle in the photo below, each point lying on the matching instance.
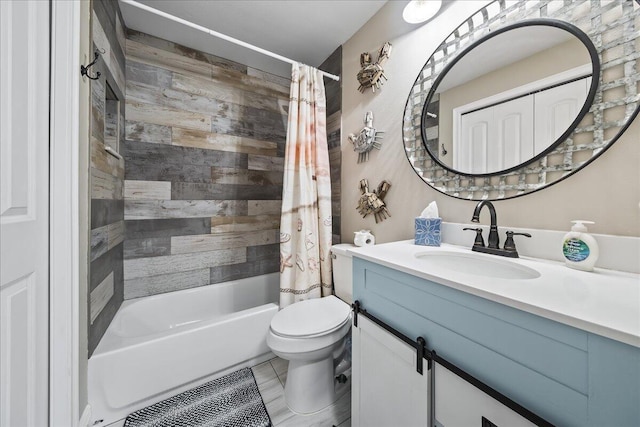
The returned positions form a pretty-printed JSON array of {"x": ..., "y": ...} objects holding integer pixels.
[{"x": 580, "y": 249}]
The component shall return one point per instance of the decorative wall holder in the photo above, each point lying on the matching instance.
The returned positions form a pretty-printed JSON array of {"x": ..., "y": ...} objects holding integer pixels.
[
  {"x": 371, "y": 74},
  {"x": 373, "y": 202},
  {"x": 367, "y": 139}
]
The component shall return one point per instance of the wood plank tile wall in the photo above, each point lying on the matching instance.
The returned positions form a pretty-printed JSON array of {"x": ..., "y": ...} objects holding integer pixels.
[
  {"x": 106, "y": 278},
  {"x": 204, "y": 152}
]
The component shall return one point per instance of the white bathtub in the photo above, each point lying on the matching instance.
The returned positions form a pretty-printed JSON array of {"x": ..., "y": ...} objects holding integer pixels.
[{"x": 161, "y": 345}]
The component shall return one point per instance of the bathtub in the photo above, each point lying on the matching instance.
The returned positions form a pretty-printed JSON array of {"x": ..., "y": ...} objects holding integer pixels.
[{"x": 161, "y": 345}]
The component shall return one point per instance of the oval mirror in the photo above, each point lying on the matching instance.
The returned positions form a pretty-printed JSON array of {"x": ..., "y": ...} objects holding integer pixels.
[
  {"x": 509, "y": 98},
  {"x": 470, "y": 60}
]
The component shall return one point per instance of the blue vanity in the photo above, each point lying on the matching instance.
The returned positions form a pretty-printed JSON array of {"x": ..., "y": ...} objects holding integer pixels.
[{"x": 563, "y": 344}]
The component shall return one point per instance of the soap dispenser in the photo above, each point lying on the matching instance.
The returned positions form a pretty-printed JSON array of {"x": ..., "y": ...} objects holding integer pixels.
[{"x": 579, "y": 248}]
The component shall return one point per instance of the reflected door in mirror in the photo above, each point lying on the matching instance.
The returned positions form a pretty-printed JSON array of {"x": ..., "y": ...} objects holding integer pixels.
[
  {"x": 555, "y": 109},
  {"x": 504, "y": 135},
  {"x": 495, "y": 138},
  {"x": 506, "y": 74}
]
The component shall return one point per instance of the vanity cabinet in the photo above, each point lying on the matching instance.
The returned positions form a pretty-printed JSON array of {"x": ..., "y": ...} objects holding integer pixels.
[
  {"x": 390, "y": 391},
  {"x": 567, "y": 376}
]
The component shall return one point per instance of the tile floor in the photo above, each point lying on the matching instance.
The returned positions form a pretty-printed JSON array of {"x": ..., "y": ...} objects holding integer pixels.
[{"x": 271, "y": 376}]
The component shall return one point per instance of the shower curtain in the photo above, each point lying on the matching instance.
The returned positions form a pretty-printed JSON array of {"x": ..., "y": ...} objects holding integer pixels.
[{"x": 305, "y": 224}]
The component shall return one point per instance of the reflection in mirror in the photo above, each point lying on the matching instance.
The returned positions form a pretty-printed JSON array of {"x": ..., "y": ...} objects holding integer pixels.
[
  {"x": 610, "y": 108},
  {"x": 508, "y": 99}
]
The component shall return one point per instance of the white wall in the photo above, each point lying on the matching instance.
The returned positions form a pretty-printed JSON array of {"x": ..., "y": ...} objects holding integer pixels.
[{"x": 607, "y": 191}]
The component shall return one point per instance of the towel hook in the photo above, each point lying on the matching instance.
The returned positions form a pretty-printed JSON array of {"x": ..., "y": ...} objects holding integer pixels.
[{"x": 84, "y": 71}]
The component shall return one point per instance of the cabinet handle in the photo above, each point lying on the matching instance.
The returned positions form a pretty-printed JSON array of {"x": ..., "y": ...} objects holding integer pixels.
[
  {"x": 356, "y": 310},
  {"x": 421, "y": 344}
]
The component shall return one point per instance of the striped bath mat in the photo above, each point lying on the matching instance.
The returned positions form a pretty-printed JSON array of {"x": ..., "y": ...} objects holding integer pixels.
[{"x": 230, "y": 401}]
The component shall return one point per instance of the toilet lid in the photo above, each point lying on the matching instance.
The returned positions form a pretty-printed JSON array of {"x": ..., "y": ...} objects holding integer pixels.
[{"x": 311, "y": 317}]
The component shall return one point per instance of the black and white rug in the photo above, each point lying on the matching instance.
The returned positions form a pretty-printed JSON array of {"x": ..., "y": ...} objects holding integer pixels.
[{"x": 230, "y": 401}]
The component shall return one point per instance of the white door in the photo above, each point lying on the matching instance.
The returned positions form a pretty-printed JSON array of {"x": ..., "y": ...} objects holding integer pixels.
[
  {"x": 24, "y": 182},
  {"x": 495, "y": 138},
  {"x": 386, "y": 389},
  {"x": 470, "y": 152},
  {"x": 512, "y": 134},
  {"x": 555, "y": 109}
]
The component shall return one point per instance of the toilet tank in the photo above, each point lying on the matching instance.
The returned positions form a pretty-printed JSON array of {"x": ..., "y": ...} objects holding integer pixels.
[{"x": 342, "y": 272}]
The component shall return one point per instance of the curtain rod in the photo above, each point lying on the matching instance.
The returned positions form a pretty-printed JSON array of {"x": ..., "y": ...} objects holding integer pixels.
[{"x": 220, "y": 35}]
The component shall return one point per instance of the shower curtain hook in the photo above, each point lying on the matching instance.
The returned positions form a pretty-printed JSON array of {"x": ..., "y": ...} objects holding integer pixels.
[{"x": 84, "y": 71}]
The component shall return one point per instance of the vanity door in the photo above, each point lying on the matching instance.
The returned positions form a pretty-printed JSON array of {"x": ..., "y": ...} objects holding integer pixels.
[
  {"x": 386, "y": 390},
  {"x": 459, "y": 403}
]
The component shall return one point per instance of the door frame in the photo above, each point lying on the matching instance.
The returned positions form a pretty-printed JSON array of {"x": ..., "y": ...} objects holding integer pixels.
[{"x": 66, "y": 234}]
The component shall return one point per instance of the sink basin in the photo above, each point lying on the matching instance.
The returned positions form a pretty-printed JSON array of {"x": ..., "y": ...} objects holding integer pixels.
[{"x": 476, "y": 265}]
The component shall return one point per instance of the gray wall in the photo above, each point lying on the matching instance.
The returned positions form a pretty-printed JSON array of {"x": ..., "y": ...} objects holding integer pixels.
[
  {"x": 204, "y": 152},
  {"x": 333, "y": 92},
  {"x": 106, "y": 281}
]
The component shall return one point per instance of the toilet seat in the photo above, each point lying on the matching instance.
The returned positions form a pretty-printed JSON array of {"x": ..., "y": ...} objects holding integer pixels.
[
  {"x": 295, "y": 347},
  {"x": 318, "y": 335},
  {"x": 311, "y": 318}
]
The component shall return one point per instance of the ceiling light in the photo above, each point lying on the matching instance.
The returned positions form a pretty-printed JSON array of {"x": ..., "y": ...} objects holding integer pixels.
[{"x": 417, "y": 11}]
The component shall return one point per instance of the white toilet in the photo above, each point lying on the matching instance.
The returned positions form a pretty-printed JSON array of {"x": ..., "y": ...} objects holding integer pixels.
[{"x": 311, "y": 335}]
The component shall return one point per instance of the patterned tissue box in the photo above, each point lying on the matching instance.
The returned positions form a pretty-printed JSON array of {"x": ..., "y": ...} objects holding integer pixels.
[{"x": 428, "y": 231}]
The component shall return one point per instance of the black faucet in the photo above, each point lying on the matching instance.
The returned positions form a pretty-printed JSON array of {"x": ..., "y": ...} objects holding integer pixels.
[{"x": 494, "y": 241}]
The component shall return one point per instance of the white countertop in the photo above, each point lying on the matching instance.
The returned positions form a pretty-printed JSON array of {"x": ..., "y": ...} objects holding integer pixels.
[{"x": 605, "y": 302}]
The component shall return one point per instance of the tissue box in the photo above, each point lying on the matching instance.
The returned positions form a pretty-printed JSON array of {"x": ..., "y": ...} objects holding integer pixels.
[{"x": 428, "y": 231}]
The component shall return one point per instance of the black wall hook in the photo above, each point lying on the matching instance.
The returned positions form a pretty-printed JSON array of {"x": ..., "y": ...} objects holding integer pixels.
[{"x": 84, "y": 71}]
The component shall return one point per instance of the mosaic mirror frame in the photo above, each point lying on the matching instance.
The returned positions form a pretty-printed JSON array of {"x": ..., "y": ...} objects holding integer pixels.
[{"x": 614, "y": 28}]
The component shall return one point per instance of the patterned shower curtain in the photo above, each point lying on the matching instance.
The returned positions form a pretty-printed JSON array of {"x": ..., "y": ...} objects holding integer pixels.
[{"x": 305, "y": 225}]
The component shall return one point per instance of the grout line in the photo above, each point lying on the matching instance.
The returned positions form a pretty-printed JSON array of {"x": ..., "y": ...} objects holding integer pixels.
[{"x": 277, "y": 375}]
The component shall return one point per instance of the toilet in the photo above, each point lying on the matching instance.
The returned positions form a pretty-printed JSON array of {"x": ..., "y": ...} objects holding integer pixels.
[{"x": 311, "y": 335}]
